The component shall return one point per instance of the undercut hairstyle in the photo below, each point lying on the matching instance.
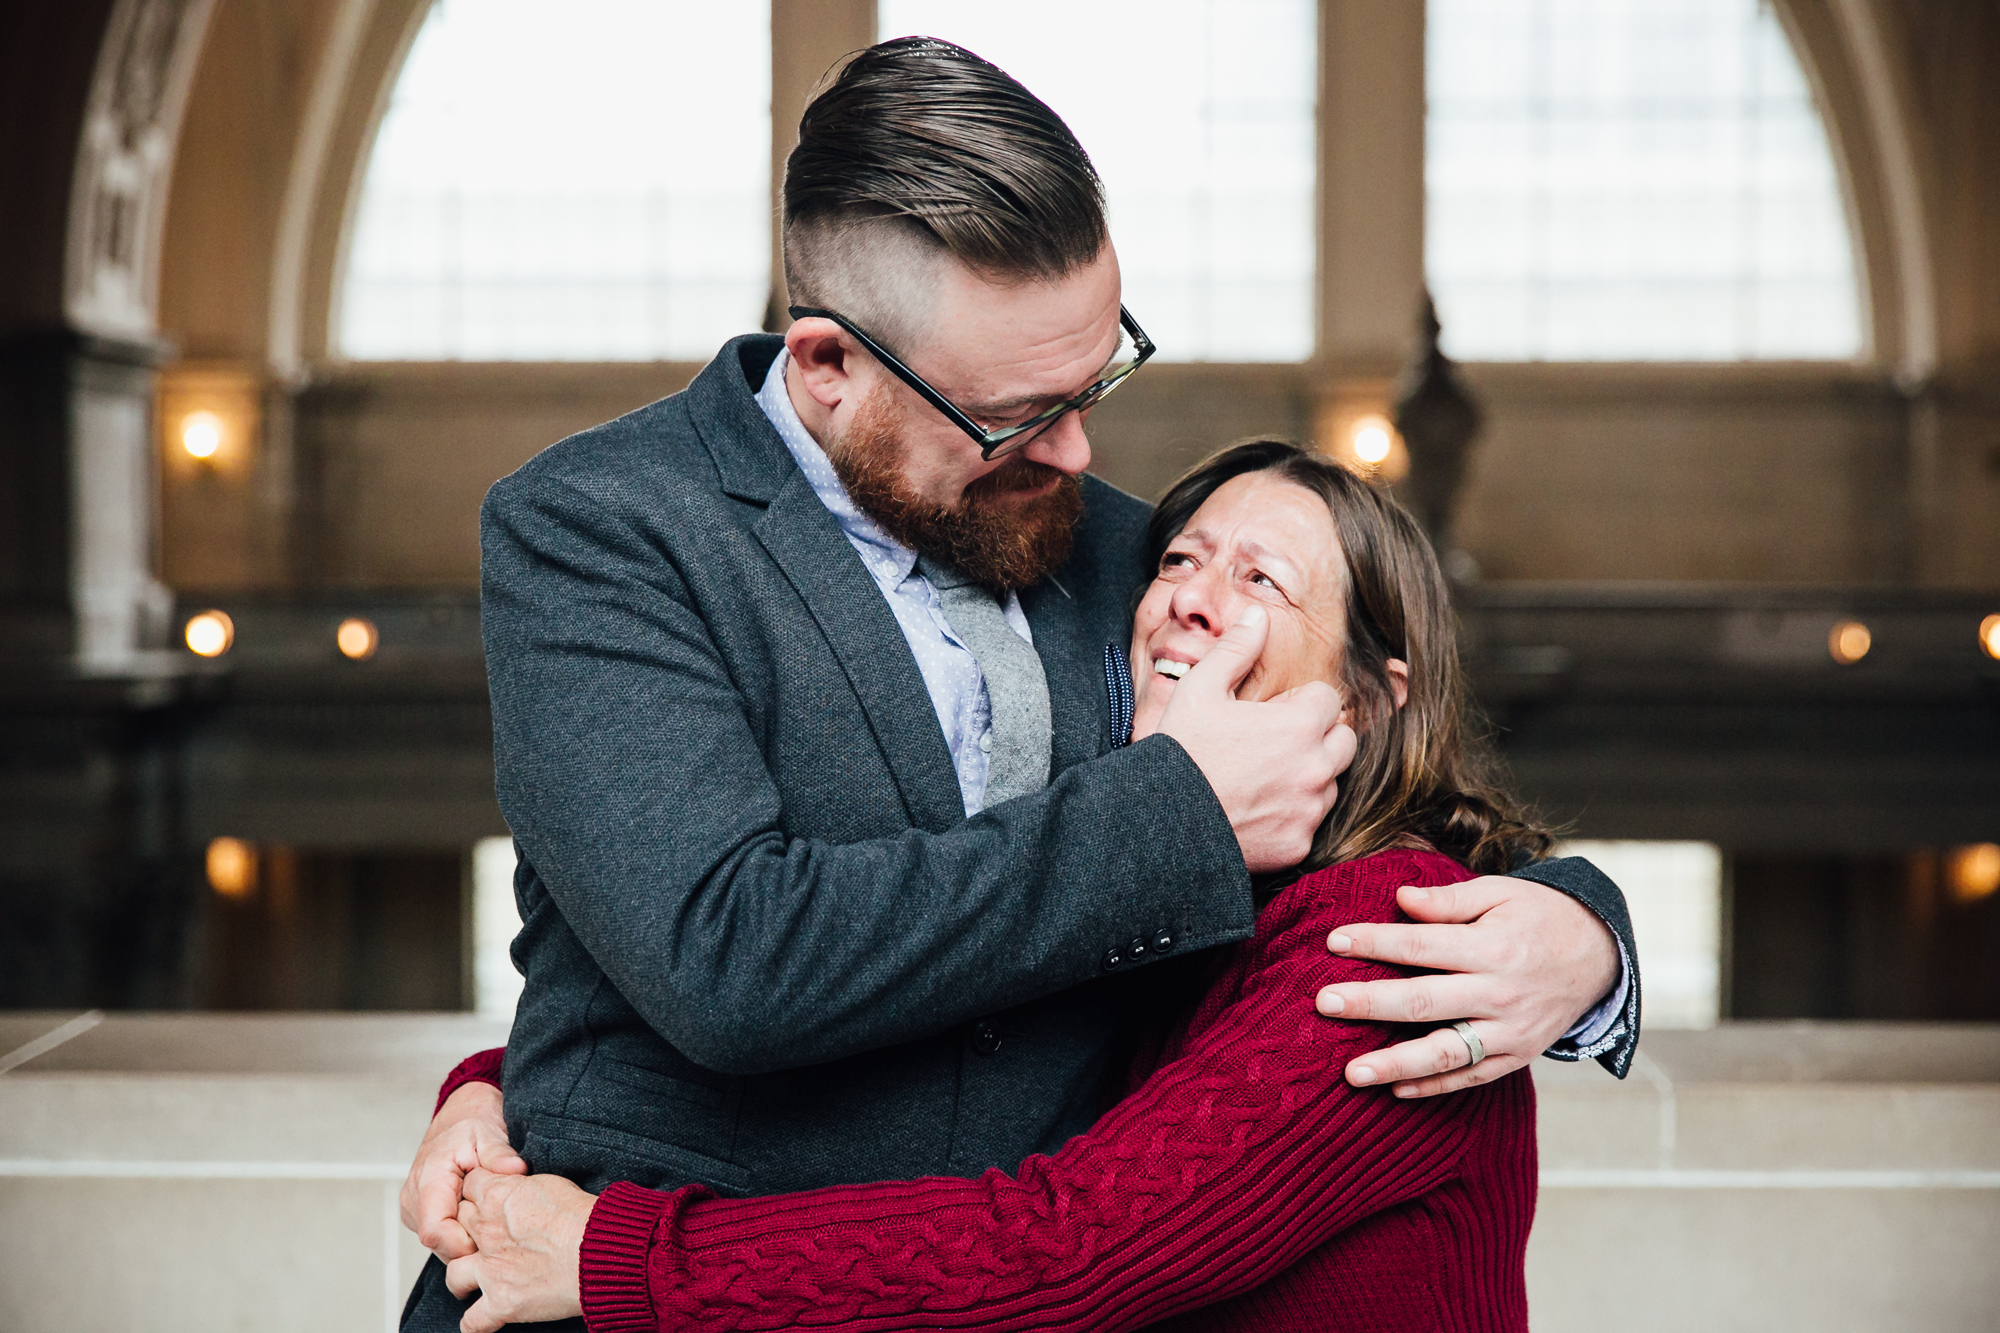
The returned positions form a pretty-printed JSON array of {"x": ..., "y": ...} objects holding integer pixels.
[
  {"x": 921, "y": 151},
  {"x": 1424, "y": 774}
]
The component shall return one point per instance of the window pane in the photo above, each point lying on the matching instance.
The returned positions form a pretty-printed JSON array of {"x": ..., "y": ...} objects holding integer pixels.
[
  {"x": 593, "y": 188},
  {"x": 1674, "y": 892},
  {"x": 1199, "y": 117},
  {"x": 1630, "y": 180}
]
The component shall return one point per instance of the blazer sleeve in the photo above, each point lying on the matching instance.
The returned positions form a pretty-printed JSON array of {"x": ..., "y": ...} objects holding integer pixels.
[
  {"x": 1573, "y": 875},
  {"x": 629, "y": 770},
  {"x": 1227, "y": 1166}
]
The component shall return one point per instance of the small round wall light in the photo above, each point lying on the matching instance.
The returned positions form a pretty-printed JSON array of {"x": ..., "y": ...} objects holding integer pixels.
[
  {"x": 1989, "y": 636},
  {"x": 232, "y": 868},
  {"x": 1849, "y": 641},
  {"x": 1973, "y": 872},
  {"x": 201, "y": 434},
  {"x": 210, "y": 633},
  {"x": 357, "y": 638},
  {"x": 1372, "y": 440}
]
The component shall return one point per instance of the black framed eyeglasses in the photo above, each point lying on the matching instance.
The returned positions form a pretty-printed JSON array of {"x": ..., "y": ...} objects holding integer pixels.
[{"x": 1133, "y": 349}]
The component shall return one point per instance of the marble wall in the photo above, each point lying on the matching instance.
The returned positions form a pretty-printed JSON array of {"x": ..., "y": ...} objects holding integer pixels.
[{"x": 207, "y": 1172}]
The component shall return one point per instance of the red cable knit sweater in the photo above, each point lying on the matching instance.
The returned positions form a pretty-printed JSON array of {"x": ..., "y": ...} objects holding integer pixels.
[{"x": 1242, "y": 1185}]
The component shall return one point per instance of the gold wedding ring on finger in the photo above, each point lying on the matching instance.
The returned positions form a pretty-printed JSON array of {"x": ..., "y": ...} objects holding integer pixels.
[{"x": 1474, "y": 1047}]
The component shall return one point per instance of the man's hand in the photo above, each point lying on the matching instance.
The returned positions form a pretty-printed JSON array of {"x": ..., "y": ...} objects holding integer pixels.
[
  {"x": 528, "y": 1231},
  {"x": 467, "y": 1132},
  {"x": 1530, "y": 962},
  {"x": 1274, "y": 765}
]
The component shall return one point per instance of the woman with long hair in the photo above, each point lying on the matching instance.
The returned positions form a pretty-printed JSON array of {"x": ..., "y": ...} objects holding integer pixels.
[{"x": 1239, "y": 1183}]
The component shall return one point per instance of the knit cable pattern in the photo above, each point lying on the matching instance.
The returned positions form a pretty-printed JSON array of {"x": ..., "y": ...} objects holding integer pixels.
[{"x": 1243, "y": 1157}]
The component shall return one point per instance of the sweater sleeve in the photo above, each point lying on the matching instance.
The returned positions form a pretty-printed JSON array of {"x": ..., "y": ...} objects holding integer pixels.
[
  {"x": 481, "y": 1067},
  {"x": 1235, "y": 1159}
]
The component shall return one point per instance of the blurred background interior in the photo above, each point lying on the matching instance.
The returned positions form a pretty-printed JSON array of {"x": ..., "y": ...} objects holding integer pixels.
[{"x": 288, "y": 283}]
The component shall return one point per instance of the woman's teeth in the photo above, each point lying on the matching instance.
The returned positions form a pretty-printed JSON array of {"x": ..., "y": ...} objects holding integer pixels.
[{"x": 1167, "y": 668}]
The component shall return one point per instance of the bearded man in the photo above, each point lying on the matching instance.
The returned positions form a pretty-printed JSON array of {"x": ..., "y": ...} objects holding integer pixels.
[{"x": 835, "y": 864}]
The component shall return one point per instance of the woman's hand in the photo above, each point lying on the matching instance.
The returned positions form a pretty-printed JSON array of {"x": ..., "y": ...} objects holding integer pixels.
[
  {"x": 469, "y": 1132},
  {"x": 529, "y": 1233}
]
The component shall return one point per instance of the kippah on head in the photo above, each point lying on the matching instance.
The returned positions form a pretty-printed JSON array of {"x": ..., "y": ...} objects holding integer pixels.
[{"x": 921, "y": 147}]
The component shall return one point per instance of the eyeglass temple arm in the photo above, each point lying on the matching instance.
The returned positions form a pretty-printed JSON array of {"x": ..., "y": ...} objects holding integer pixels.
[{"x": 898, "y": 369}]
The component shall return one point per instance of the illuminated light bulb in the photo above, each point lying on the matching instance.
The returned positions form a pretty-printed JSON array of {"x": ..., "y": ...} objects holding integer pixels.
[
  {"x": 1989, "y": 636},
  {"x": 201, "y": 434},
  {"x": 210, "y": 634},
  {"x": 1371, "y": 440},
  {"x": 1849, "y": 642},
  {"x": 1973, "y": 872},
  {"x": 357, "y": 638},
  {"x": 232, "y": 867}
]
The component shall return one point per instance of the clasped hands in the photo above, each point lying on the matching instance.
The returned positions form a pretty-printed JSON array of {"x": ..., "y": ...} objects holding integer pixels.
[{"x": 514, "y": 1238}]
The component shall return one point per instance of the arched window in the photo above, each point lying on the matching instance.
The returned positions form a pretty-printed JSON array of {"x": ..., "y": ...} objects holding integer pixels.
[
  {"x": 583, "y": 181},
  {"x": 1630, "y": 180},
  {"x": 1199, "y": 117}
]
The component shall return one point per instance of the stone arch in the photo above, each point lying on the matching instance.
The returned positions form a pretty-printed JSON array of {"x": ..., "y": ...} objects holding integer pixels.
[{"x": 1864, "y": 100}]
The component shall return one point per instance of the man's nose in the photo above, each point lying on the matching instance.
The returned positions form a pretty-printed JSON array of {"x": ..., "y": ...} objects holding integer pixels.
[{"x": 1063, "y": 446}]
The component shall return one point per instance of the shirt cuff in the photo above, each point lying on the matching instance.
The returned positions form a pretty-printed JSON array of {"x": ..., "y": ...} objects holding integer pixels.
[{"x": 1592, "y": 1027}]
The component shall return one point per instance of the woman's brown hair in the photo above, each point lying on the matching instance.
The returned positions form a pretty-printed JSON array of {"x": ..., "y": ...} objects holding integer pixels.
[{"x": 1422, "y": 774}]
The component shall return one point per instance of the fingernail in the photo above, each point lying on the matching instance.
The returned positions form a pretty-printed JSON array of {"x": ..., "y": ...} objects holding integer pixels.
[
  {"x": 1416, "y": 892},
  {"x": 1339, "y": 943},
  {"x": 1360, "y": 1076},
  {"x": 1252, "y": 616},
  {"x": 1331, "y": 1004},
  {"x": 1406, "y": 1092}
]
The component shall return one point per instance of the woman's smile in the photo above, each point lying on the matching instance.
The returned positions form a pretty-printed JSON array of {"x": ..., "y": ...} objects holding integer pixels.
[{"x": 1260, "y": 540}]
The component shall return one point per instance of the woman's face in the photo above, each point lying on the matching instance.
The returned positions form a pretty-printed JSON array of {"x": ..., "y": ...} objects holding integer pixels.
[{"x": 1259, "y": 540}]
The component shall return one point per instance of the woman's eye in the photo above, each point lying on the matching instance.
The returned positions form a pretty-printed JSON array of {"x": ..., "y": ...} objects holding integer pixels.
[
  {"x": 1175, "y": 559},
  {"x": 1264, "y": 579}
]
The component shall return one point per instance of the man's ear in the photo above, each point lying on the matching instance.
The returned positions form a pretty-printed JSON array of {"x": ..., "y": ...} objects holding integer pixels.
[
  {"x": 1399, "y": 680},
  {"x": 826, "y": 357}
]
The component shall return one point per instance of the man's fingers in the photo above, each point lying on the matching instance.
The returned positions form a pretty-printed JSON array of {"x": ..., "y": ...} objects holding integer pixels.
[
  {"x": 1225, "y": 665},
  {"x": 461, "y": 1275},
  {"x": 1443, "y": 998},
  {"x": 1492, "y": 1067},
  {"x": 481, "y": 1318},
  {"x": 1340, "y": 744},
  {"x": 1461, "y": 903},
  {"x": 1449, "y": 948}
]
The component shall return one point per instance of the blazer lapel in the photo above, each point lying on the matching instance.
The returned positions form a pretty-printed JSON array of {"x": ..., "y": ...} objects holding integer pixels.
[
  {"x": 1075, "y": 671},
  {"x": 807, "y": 544}
]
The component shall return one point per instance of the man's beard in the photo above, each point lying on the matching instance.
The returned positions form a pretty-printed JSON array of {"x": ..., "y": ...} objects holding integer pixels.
[{"x": 1001, "y": 547}]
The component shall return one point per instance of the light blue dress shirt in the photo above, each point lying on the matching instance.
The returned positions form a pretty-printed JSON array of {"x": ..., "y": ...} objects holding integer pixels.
[{"x": 951, "y": 673}]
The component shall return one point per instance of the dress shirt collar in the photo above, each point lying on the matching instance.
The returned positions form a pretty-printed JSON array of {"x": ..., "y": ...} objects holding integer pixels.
[{"x": 776, "y": 402}]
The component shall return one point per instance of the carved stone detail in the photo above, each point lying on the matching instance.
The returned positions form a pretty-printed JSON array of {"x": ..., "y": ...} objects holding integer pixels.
[{"x": 125, "y": 162}]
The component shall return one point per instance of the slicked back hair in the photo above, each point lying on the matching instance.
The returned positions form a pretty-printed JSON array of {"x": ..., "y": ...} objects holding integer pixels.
[{"x": 918, "y": 150}]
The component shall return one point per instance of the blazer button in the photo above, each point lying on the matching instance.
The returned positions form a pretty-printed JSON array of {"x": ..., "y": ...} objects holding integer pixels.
[
  {"x": 1115, "y": 958},
  {"x": 1136, "y": 949},
  {"x": 986, "y": 1038},
  {"x": 1163, "y": 941}
]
